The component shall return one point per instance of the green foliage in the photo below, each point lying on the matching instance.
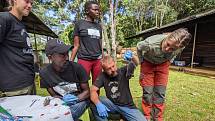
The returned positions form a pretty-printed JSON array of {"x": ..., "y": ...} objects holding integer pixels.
[
  {"x": 190, "y": 97},
  {"x": 186, "y": 8},
  {"x": 67, "y": 34},
  {"x": 40, "y": 40},
  {"x": 57, "y": 13},
  {"x": 132, "y": 16}
]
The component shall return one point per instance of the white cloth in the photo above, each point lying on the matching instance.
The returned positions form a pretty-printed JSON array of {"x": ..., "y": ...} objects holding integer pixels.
[{"x": 32, "y": 105}]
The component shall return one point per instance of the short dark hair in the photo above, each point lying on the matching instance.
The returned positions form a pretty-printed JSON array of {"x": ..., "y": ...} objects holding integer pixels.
[{"x": 88, "y": 5}]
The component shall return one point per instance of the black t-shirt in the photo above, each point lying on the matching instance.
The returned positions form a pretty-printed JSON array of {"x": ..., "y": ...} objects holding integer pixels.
[
  {"x": 67, "y": 81},
  {"x": 16, "y": 54},
  {"x": 117, "y": 88},
  {"x": 90, "y": 34}
]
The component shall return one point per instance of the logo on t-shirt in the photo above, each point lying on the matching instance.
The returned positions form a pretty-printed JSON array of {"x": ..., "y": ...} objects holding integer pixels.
[
  {"x": 93, "y": 33},
  {"x": 114, "y": 88},
  {"x": 27, "y": 50},
  {"x": 60, "y": 42},
  {"x": 65, "y": 88},
  {"x": 28, "y": 41},
  {"x": 23, "y": 32}
]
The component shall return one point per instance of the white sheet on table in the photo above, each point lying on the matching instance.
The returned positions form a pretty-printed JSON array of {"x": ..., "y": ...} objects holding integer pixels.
[{"x": 20, "y": 106}]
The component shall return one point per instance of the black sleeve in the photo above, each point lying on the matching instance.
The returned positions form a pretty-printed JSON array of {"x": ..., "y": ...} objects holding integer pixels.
[
  {"x": 2, "y": 28},
  {"x": 76, "y": 29},
  {"x": 99, "y": 82},
  {"x": 43, "y": 83},
  {"x": 129, "y": 69},
  {"x": 82, "y": 74}
]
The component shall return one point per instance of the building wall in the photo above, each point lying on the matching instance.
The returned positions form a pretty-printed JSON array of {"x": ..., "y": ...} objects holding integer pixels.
[{"x": 205, "y": 46}]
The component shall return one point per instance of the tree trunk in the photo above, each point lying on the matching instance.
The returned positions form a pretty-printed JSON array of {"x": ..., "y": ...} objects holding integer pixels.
[
  {"x": 162, "y": 14},
  {"x": 105, "y": 39},
  {"x": 113, "y": 31},
  {"x": 156, "y": 14}
]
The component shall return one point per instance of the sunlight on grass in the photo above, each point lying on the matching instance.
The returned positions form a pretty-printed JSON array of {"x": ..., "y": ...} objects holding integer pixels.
[
  {"x": 191, "y": 98},
  {"x": 188, "y": 98}
]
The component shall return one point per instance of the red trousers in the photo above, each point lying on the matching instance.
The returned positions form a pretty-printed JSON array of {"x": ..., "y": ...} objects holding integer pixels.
[
  {"x": 93, "y": 66},
  {"x": 153, "y": 79}
]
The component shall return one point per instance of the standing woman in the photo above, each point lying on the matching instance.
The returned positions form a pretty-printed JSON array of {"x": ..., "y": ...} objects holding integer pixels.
[
  {"x": 16, "y": 53},
  {"x": 88, "y": 40},
  {"x": 155, "y": 54}
]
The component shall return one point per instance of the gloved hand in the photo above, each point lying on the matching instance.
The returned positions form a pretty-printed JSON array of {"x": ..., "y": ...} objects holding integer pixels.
[
  {"x": 102, "y": 110},
  {"x": 70, "y": 99},
  {"x": 128, "y": 55}
]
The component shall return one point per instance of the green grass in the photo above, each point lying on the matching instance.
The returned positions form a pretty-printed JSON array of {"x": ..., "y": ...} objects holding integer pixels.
[{"x": 188, "y": 98}]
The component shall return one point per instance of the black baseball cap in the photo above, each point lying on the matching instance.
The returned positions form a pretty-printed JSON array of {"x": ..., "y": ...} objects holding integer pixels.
[{"x": 56, "y": 46}]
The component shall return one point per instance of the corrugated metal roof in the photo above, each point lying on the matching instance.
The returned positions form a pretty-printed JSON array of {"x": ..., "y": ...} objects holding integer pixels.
[{"x": 33, "y": 22}]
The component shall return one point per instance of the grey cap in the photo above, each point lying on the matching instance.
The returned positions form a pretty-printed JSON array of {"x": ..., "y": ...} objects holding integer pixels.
[{"x": 56, "y": 46}]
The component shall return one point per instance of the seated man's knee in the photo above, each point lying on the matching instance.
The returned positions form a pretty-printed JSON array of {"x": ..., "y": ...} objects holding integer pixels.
[{"x": 78, "y": 109}]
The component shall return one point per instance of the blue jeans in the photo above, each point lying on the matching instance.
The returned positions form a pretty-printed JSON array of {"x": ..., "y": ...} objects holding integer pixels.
[
  {"x": 131, "y": 114},
  {"x": 78, "y": 109}
]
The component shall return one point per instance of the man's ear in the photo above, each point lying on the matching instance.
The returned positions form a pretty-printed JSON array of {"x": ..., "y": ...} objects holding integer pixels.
[{"x": 87, "y": 11}]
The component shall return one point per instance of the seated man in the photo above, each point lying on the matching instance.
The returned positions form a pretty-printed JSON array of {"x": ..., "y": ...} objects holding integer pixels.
[
  {"x": 116, "y": 84},
  {"x": 64, "y": 79}
]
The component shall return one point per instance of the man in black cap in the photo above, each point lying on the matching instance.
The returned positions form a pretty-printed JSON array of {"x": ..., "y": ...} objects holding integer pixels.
[{"x": 64, "y": 79}]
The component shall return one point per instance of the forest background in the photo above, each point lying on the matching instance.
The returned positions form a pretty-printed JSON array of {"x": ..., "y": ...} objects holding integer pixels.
[{"x": 119, "y": 18}]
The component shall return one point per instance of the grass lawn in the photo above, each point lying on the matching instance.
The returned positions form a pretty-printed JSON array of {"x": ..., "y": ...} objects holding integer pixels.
[{"x": 189, "y": 97}]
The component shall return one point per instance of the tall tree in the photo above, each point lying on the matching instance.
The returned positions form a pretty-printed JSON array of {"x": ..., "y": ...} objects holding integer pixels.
[
  {"x": 105, "y": 38},
  {"x": 187, "y": 8},
  {"x": 119, "y": 18},
  {"x": 113, "y": 6}
]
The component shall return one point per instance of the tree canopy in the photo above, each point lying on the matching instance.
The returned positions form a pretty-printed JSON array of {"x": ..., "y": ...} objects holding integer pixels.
[{"x": 119, "y": 18}]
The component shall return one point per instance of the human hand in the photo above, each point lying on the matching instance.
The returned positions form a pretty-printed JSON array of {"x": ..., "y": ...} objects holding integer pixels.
[
  {"x": 70, "y": 99},
  {"x": 102, "y": 110},
  {"x": 128, "y": 55}
]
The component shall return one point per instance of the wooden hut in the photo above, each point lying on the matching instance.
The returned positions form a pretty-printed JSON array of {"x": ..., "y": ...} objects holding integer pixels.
[{"x": 201, "y": 49}]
